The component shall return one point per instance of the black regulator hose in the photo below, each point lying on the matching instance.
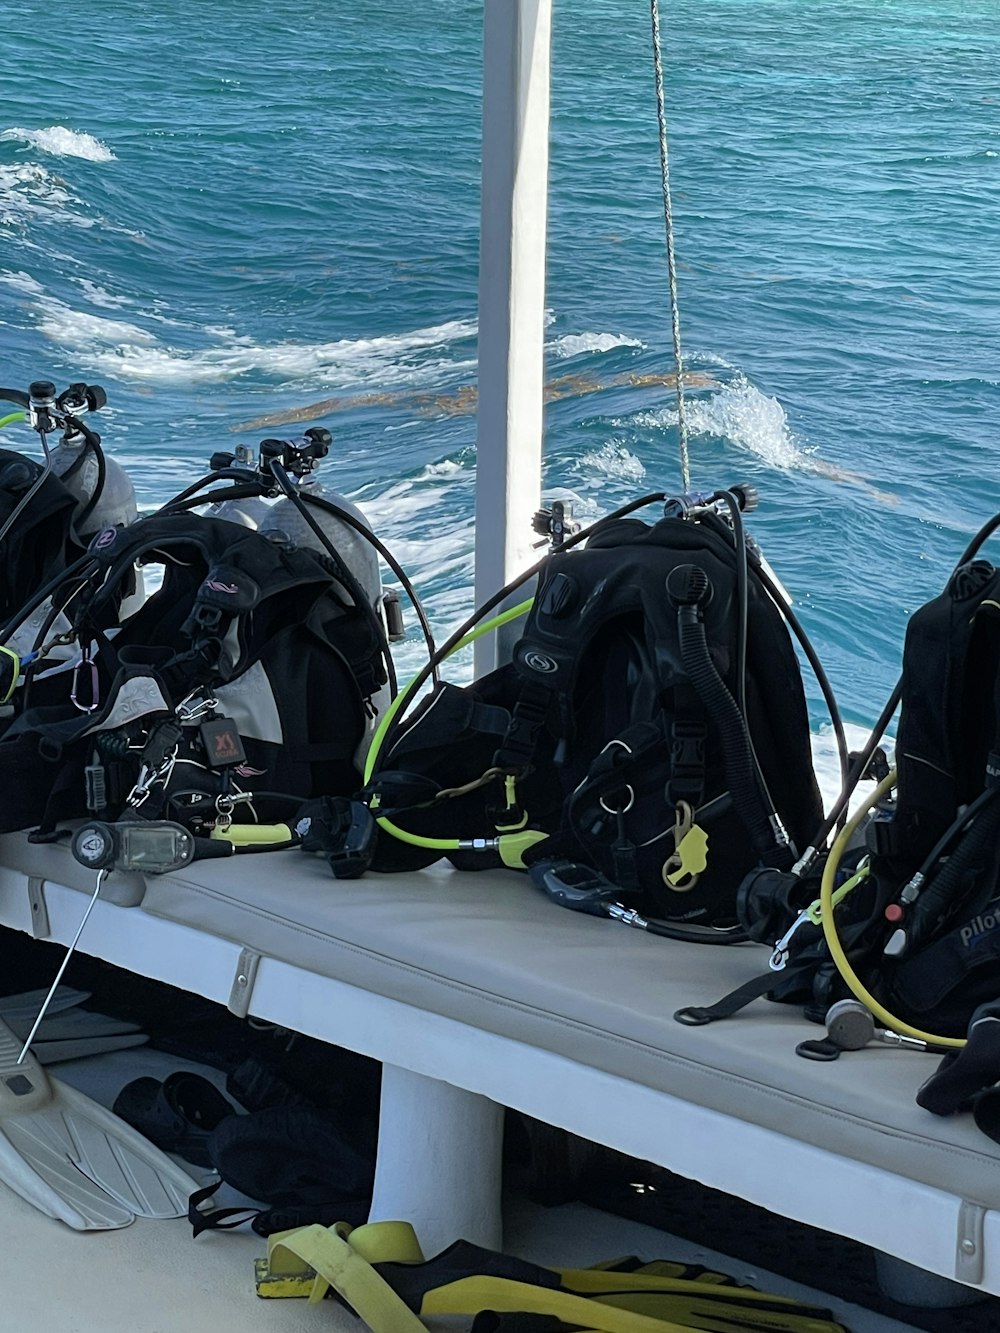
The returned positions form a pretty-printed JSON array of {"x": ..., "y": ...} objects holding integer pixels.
[
  {"x": 481, "y": 612},
  {"x": 93, "y": 443},
  {"x": 689, "y": 588}
]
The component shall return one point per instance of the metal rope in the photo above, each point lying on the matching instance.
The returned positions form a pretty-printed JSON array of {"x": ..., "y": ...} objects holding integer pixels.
[{"x": 668, "y": 218}]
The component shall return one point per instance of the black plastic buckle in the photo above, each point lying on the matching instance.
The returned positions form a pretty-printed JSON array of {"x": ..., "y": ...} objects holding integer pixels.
[
  {"x": 518, "y": 745},
  {"x": 687, "y": 761}
]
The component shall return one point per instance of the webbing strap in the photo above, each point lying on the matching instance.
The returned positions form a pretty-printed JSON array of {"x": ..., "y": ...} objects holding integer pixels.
[
  {"x": 337, "y": 1264},
  {"x": 517, "y": 749},
  {"x": 688, "y": 735},
  {"x": 697, "y": 1016}
]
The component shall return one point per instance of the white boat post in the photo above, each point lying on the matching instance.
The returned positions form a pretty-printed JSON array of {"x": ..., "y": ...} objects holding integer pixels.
[
  {"x": 513, "y": 216},
  {"x": 438, "y": 1123}
]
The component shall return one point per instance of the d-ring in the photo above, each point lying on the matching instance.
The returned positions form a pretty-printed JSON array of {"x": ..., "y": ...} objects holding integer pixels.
[{"x": 628, "y": 786}]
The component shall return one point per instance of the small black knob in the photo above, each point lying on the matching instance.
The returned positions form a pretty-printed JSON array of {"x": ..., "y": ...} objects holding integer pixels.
[
  {"x": 320, "y": 438},
  {"x": 42, "y": 389}
]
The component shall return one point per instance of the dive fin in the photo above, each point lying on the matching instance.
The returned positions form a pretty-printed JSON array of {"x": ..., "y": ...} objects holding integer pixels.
[
  {"x": 79, "y": 1048},
  {"x": 16, "y": 1010},
  {"x": 377, "y": 1271},
  {"x": 73, "y": 1159},
  {"x": 68, "y": 1032}
]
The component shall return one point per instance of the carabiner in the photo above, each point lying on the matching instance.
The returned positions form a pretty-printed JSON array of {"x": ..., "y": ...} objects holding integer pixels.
[
  {"x": 95, "y": 684},
  {"x": 779, "y": 958}
]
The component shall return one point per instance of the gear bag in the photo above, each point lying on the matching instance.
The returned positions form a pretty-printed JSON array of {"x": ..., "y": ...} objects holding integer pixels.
[
  {"x": 625, "y": 732},
  {"x": 920, "y": 924},
  {"x": 244, "y": 631}
]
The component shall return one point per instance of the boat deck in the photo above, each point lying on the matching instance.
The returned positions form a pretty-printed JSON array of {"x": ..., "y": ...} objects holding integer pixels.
[{"x": 152, "y": 1277}]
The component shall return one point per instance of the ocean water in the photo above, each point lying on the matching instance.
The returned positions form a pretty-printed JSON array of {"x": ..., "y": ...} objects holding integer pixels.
[{"x": 229, "y": 211}]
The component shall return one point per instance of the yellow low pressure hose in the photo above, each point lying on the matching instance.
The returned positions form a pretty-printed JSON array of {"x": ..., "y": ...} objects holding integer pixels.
[
  {"x": 829, "y": 924},
  {"x": 398, "y": 705}
]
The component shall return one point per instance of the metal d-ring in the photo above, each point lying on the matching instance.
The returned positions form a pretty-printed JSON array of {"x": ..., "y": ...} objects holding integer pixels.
[{"x": 627, "y": 787}]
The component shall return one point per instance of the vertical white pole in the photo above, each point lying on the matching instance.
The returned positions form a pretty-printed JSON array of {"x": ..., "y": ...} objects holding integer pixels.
[
  {"x": 516, "y": 60},
  {"x": 440, "y": 1151}
]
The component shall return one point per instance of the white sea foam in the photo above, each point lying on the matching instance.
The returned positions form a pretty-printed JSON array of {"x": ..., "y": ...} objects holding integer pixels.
[
  {"x": 97, "y": 295},
  {"x": 75, "y": 328},
  {"x": 613, "y": 459},
  {"x": 130, "y": 352},
  {"x": 741, "y": 414},
  {"x": 22, "y": 282},
  {"x": 447, "y": 467},
  {"x": 59, "y": 141},
  {"x": 826, "y": 762},
  {"x": 578, "y": 344},
  {"x": 30, "y": 193}
]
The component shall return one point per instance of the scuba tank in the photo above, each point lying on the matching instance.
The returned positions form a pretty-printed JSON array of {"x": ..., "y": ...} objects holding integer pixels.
[
  {"x": 101, "y": 488},
  {"x": 284, "y": 519},
  {"x": 252, "y": 510},
  {"x": 289, "y": 505},
  {"x": 86, "y": 471},
  {"x": 284, "y": 516},
  {"x": 249, "y": 513}
]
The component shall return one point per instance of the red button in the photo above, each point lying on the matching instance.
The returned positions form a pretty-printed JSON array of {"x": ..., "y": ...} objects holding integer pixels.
[{"x": 894, "y": 912}]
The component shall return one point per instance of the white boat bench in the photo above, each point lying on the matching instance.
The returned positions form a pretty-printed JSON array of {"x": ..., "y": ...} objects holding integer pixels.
[{"x": 476, "y": 993}]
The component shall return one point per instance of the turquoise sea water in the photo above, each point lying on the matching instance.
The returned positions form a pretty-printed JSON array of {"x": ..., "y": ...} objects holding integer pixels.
[{"x": 219, "y": 212}]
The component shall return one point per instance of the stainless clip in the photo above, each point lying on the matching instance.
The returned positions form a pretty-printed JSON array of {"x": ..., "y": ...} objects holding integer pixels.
[{"x": 780, "y": 956}]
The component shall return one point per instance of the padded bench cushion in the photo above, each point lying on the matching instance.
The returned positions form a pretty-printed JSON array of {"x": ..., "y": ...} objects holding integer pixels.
[
  {"x": 54, "y": 861},
  {"x": 489, "y": 951}
]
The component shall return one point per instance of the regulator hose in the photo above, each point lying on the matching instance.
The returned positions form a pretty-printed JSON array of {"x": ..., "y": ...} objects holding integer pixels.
[
  {"x": 828, "y": 921},
  {"x": 689, "y": 588}
]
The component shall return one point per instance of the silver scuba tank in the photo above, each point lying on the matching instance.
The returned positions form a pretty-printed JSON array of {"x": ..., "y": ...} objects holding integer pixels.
[
  {"x": 77, "y": 466},
  {"x": 283, "y": 517},
  {"x": 249, "y": 513},
  {"x": 252, "y": 509}
]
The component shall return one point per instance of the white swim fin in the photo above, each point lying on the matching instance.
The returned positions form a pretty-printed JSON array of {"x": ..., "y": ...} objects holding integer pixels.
[{"x": 73, "y": 1159}]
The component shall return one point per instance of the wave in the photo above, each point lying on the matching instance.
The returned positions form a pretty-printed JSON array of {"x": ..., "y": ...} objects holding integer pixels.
[
  {"x": 740, "y": 414},
  {"x": 129, "y": 351},
  {"x": 750, "y": 419},
  {"x": 59, "y": 141},
  {"x": 826, "y": 761},
  {"x": 75, "y": 328},
  {"x": 22, "y": 282},
  {"x": 97, "y": 295},
  {"x": 578, "y": 344},
  {"x": 614, "y": 459},
  {"x": 29, "y": 193}
]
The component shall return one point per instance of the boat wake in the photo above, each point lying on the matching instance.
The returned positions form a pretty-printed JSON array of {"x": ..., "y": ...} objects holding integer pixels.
[{"x": 58, "y": 141}]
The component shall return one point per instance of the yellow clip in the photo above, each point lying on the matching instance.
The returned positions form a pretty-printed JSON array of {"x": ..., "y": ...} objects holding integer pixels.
[
  {"x": 10, "y": 670},
  {"x": 685, "y": 863},
  {"x": 813, "y": 911},
  {"x": 253, "y": 835},
  {"x": 510, "y": 794}
]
